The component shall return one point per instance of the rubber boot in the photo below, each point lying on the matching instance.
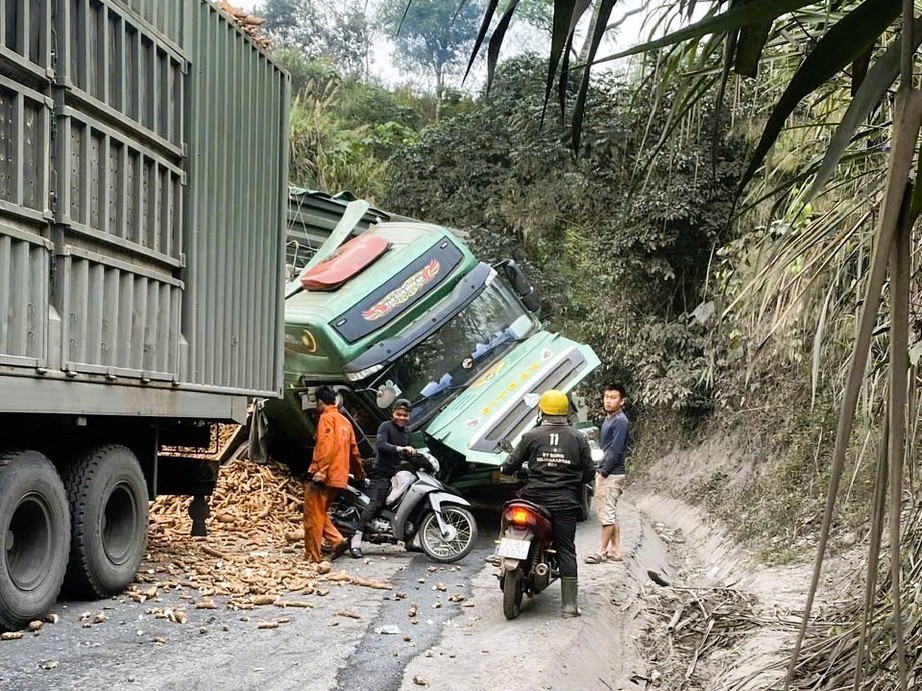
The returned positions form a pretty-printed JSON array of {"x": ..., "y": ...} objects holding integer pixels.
[{"x": 568, "y": 595}]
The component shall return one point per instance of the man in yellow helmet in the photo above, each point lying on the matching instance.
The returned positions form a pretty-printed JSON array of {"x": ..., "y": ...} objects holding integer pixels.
[{"x": 559, "y": 463}]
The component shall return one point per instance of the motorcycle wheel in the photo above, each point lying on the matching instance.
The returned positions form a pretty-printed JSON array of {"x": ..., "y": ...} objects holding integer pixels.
[
  {"x": 512, "y": 593},
  {"x": 463, "y": 534}
]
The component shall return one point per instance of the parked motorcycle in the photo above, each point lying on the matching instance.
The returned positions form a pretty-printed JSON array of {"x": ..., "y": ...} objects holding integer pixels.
[
  {"x": 527, "y": 561},
  {"x": 417, "y": 506}
]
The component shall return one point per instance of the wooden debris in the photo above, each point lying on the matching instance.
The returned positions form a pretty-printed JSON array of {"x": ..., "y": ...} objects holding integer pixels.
[
  {"x": 347, "y": 613},
  {"x": 246, "y": 560},
  {"x": 36, "y": 625},
  {"x": 52, "y": 618},
  {"x": 293, "y": 603},
  {"x": 11, "y": 635},
  {"x": 267, "y": 625},
  {"x": 247, "y": 22},
  {"x": 214, "y": 552},
  {"x": 690, "y": 624},
  {"x": 370, "y": 583}
]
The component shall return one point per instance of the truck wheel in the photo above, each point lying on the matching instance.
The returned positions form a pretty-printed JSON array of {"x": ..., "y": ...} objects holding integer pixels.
[
  {"x": 108, "y": 508},
  {"x": 34, "y": 534}
]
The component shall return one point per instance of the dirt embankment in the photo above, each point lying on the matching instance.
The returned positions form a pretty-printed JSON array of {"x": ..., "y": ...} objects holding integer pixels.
[{"x": 688, "y": 608}]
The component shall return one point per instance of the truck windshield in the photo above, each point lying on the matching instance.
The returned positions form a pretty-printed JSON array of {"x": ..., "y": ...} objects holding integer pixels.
[{"x": 432, "y": 373}]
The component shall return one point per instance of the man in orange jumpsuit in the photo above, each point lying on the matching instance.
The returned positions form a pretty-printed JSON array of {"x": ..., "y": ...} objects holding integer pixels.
[{"x": 335, "y": 455}]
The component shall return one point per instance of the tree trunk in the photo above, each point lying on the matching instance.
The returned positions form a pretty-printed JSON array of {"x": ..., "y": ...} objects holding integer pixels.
[{"x": 439, "y": 91}]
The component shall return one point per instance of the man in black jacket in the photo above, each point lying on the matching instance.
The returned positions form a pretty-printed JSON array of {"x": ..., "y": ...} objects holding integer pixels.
[
  {"x": 559, "y": 463},
  {"x": 393, "y": 441}
]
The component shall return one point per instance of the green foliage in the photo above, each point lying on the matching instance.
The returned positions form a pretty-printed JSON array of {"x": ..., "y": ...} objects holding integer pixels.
[
  {"x": 344, "y": 128},
  {"x": 319, "y": 33},
  {"x": 515, "y": 184},
  {"x": 326, "y": 154},
  {"x": 432, "y": 34}
]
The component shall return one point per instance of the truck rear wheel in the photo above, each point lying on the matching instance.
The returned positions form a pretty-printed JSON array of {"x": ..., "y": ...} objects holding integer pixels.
[
  {"x": 109, "y": 512},
  {"x": 35, "y": 529}
]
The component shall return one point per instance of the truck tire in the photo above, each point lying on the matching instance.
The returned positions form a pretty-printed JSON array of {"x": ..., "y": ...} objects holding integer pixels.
[
  {"x": 109, "y": 512},
  {"x": 34, "y": 534}
]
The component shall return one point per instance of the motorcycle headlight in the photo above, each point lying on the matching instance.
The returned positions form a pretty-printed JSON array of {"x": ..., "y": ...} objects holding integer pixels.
[{"x": 433, "y": 462}]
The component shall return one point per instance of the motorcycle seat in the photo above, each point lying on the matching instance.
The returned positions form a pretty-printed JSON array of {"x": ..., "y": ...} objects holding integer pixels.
[
  {"x": 400, "y": 483},
  {"x": 537, "y": 508}
]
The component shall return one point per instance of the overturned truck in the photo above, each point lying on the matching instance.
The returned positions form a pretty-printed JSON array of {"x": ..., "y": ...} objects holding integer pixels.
[
  {"x": 391, "y": 307},
  {"x": 141, "y": 257}
]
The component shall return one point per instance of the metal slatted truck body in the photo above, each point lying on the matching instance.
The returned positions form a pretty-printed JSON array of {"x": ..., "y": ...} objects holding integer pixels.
[{"x": 143, "y": 168}]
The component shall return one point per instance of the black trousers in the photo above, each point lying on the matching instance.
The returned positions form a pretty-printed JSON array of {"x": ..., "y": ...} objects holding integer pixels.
[
  {"x": 377, "y": 494},
  {"x": 564, "y": 523}
]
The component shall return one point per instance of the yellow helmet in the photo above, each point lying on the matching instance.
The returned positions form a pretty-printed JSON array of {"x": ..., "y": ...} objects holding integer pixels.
[{"x": 554, "y": 402}]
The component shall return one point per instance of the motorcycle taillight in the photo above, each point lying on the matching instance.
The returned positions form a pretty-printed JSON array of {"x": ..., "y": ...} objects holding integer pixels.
[{"x": 520, "y": 517}]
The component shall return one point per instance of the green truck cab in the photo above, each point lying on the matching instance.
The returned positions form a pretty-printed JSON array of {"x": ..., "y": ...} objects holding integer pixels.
[{"x": 428, "y": 322}]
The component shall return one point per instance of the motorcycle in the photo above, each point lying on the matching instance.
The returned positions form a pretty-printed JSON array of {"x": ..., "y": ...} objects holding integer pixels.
[
  {"x": 418, "y": 505},
  {"x": 527, "y": 560}
]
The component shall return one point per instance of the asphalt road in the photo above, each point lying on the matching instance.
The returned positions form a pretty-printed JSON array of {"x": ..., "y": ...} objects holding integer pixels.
[{"x": 353, "y": 638}]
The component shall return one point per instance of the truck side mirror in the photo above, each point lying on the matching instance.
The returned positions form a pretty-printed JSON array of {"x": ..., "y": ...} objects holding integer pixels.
[
  {"x": 385, "y": 396},
  {"x": 521, "y": 285}
]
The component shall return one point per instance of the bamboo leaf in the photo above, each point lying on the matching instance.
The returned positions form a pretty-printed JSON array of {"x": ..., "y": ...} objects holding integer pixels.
[
  {"x": 860, "y": 69},
  {"x": 916, "y": 207},
  {"x": 818, "y": 345},
  {"x": 496, "y": 41},
  {"x": 406, "y": 10},
  {"x": 563, "y": 81},
  {"x": 896, "y": 447},
  {"x": 563, "y": 14},
  {"x": 906, "y": 130},
  {"x": 749, "y": 48},
  {"x": 755, "y": 12},
  {"x": 484, "y": 27},
  {"x": 873, "y": 88},
  {"x": 579, "y": 108},
  {"x": 842, "y": 44}
]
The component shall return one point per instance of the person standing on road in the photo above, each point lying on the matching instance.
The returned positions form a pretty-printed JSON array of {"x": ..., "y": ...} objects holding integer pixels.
[
  {"x": 393, "y": 441},
  {"x": 335, "y": 455},
  {"x": 559, "y": 463},
  {"x": 609, "y": 481}
]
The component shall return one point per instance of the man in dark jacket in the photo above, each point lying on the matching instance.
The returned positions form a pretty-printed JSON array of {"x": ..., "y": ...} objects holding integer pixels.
[
  {"x": 393, "y": 442},
  {"x": 559, "y": 463}
]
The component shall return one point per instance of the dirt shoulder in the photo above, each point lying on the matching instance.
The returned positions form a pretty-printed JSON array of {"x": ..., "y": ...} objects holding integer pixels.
[
  {"x": 720, "y": 623},
  {"x": 540, "y": 650}
]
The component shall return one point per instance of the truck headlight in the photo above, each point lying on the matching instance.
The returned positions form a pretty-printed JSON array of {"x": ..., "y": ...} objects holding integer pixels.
[{"x": 362, "y": 374}]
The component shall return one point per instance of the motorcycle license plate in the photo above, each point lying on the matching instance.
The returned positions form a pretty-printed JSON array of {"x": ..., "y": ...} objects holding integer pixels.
[{"x": 513, "y": 549}]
